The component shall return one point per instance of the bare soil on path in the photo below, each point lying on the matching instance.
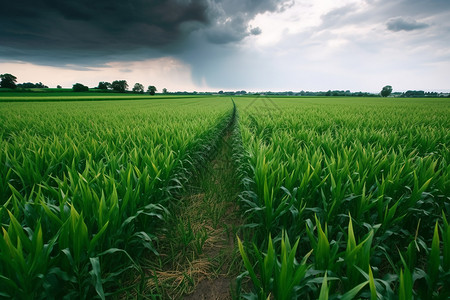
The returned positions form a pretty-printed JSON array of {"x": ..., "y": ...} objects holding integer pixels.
[{"x": 199, "y": 258}]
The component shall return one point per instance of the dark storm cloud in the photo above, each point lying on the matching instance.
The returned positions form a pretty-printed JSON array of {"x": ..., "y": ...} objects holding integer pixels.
[
  {"x": 399, "y": 24},
  {"x": 85, "y": 24},
  {"x": 55, "y": 29}
]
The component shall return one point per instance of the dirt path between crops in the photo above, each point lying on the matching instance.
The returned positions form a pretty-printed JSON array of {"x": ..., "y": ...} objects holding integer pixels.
[
  {"x": 220, "y": 189},
  {"x": 199, "y": 258}
]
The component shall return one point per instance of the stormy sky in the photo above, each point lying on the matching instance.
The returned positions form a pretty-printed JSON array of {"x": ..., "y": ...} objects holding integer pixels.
[{"x": 229, "y": 44}]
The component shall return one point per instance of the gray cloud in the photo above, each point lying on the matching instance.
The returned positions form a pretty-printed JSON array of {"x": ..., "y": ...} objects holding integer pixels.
[
  {"x": 228, "y": 30},
  {"x": 87, "y": 25},
  {"x": 55, "y": 30},
  {"x": 416, "y": 7},
  {"x": 361, "y": 28},
  {"x": 399, "y": 24},
  {"x": 378, "y": 11},
  {"x": 256, "y": 31},
  {"x": 229, "y": 18},
  {"x": 339, "y": 14}
]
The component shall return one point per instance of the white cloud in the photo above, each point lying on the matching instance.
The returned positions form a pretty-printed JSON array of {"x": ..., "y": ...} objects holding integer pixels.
[
  {"x": 301, "y": 16},
  {"x": 325, "y": 44}
]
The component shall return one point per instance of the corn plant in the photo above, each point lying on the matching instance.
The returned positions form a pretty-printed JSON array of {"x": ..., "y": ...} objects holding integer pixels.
[{"x": 281, "y": 274}]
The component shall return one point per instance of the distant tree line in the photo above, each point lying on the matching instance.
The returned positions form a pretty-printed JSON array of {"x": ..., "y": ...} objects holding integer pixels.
[
  {"x": 232, "y": 93},
  {"x": 121, "y": 86},
  {"x": 118, "y": 86},
  {"x": 421, "y": 94},
  {"x": 29, "y": 85},
  {"x": 329, "y": 93},
  {"x": 9, "y": 81}
]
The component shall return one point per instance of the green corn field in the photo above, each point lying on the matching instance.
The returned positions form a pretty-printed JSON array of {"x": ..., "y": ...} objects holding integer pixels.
[
  {"x": 359, "y": 187},
  {"x": 343, "y": 198},
  {"x": 85, "y": 186}
]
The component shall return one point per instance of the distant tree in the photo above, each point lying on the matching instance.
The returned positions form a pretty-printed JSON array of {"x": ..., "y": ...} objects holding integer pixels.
[
  {"x": 119, "y": 86},
  {"x": 103, "y": 85},
  {"x": 78, "y": 87},
  {"x": 164, "y": 90},
  {"x": 151, "y": 89},
  {"x": 138, "y": 88},
  {"x": 59, "y": 87},
  {"x": 8, "y": 81},
  {"x": 220, "y": 92},
  {"x": 29, "y": 85},
  {"x": 41, "y": 85},
  {"x": 386, "y": 91}
]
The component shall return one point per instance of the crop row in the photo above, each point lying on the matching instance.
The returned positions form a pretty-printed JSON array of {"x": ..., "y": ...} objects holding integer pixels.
[
  {"x": 345, "y": 197},
  {"x": 84, "y": 187}
]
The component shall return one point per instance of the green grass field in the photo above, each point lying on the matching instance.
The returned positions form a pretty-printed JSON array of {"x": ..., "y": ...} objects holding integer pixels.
[{"x": 342, "y": 198}]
